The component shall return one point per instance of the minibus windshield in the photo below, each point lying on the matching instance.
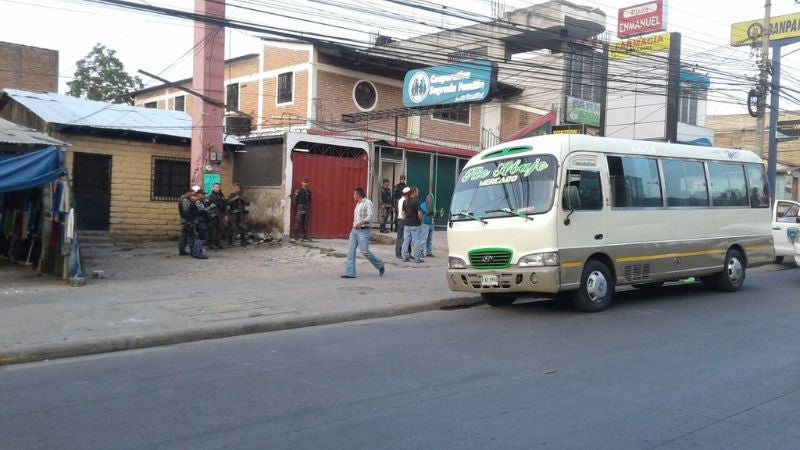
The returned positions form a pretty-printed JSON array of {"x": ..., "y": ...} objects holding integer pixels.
[{"x": 506, "y": 187}]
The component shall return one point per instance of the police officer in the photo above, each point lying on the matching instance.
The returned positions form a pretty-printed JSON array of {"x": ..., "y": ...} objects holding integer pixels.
[
  {"x": 398, "y": 191},
  {"x": 302, "y": 201},
  {"x": 237, "y": 206},
  {"x": 185, "y": 206},
  {"x": 200, "y": 222},
  {"x": 386, "y": 205},
  {"x": 217, "y": 206}
]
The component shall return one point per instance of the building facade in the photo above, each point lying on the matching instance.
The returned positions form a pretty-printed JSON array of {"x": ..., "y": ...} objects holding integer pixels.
[{"x": 127, "y": 165}]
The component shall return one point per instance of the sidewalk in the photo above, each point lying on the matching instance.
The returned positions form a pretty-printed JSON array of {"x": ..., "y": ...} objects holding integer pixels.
[{"x": 150, "y": 296}]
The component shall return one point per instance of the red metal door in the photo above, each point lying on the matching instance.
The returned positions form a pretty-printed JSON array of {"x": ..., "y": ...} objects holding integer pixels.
[{"x": 331, "y": 180}]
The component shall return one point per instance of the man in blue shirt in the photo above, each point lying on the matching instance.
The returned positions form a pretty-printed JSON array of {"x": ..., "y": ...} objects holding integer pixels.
[{"x": 427, "y": 227}]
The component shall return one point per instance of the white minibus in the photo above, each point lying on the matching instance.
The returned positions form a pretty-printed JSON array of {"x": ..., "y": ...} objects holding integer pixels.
[{"x": 575, "y": 216}]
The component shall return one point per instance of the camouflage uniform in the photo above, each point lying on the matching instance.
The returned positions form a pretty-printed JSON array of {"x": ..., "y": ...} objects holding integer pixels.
[
  {"x": 216, "y": 218},
  {"x": 386, "y": 207},
  {"x": 236, "y": 218},
  {"x": 302, "y": 198},
  {"x": 187, "y": 229},
  {"x": 200, "y": 221}
]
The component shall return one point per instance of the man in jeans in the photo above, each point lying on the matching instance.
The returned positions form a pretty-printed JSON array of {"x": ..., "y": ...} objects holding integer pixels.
[
  {"x": 360, "y": 234},
  {"x": 411, "y": 234}
]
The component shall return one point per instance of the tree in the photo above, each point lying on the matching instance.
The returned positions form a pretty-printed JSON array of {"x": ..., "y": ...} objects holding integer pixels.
[{"x": 101, "y": 76}]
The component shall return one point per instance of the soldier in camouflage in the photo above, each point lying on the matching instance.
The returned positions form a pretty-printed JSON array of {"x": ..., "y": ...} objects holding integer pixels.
[
  {"x": 200, "y": 221},
  {"x": 237, "y": 206},
  {"x": 187, "y": 229},
  {"x": 302, "y": 201}
]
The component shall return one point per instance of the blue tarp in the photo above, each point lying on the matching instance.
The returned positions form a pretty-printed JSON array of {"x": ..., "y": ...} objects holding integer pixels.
[{"x": 31, "y": 169}]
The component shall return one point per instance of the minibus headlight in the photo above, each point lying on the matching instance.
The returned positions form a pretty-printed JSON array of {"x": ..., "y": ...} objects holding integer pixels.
[
  {"x": 456, "y": 263},
  {"x": 539, "y": 260}
]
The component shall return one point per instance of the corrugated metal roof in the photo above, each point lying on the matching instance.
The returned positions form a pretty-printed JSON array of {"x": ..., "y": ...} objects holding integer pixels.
[
  {"x": 11, "y": 133},
  {"x": 67, "y": 110}
]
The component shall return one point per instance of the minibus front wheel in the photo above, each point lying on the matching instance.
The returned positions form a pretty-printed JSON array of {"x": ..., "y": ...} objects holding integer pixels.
[{"x": 596, "y": 290}]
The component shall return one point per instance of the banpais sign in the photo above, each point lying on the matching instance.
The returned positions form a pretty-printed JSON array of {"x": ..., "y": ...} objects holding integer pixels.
[{"x": 641, "y": 19}]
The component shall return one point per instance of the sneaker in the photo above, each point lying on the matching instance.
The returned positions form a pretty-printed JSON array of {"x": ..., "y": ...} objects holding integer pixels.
[
  {"x": 429, "y": 255},
  {"x": 406, "y": 259},
  {"x": 348, "y": 276},
  {"x": 200, "y": 257},
  {"x": 381, "y": 271},
  {"x": 419, "y": 261}
]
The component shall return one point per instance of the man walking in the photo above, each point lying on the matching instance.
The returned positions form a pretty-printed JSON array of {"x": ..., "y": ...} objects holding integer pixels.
[
  {"x": 360, "y": 234},
  {"x": 401, "y": 224},
  {"x": 236, "y": 219},
  {"x": 386, "y": 205},
  {"x": 302, "y": 201},
  {"x": 411, "y": 235},
  {"x": 185, "y": 206}
]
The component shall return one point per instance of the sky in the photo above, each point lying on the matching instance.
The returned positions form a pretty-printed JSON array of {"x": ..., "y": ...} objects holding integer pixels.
[{"x": 162, "y": 45}]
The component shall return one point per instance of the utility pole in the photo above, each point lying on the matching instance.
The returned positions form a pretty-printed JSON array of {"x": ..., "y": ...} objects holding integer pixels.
[
  {"x": 208, "y": 80},
  {"x": 762, "y": 79}
]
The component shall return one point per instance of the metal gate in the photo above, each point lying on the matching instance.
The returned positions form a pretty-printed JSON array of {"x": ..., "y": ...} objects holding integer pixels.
[
  {"x": 91, "y": 185},
  {"x": 332, "y": 180}
]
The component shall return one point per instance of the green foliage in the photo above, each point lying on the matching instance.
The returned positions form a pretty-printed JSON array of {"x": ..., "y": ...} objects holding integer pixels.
[{"x": 101, "y": 76}]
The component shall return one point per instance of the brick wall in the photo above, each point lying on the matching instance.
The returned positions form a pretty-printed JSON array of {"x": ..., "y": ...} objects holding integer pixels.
[
  {"x": 514, "y": 120},
  {"x": 335, "y": 97},
  {"x": 277, "y": 57},
  {"x": 133, "y": 214},
  {"x": 459, "y": 133},
  {"x": 294, "y": 113},
  {"x": 28, "y": 68},
  {"x": 738, "y": 131}
]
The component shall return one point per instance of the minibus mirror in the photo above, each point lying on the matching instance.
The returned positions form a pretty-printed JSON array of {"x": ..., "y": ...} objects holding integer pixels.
[{"x": 572, "y": 198}]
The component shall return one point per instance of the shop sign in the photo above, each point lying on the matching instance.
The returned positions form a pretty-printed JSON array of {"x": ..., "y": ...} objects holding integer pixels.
[
  {"x": 750, "y": 32},
  {"x": 582, "y": 112},
  {"x": 209, "y": 180},
  {"x": 640, "y": 46},
  {"x": 641, "y": 19},
  {"x": 790, "y": 128},
  {"x": 465, "y": 82}
]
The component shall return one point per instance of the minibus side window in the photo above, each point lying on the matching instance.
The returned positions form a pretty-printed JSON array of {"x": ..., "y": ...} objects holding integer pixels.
[
  {"x": 757, "y": 182},
  {"x": 635, "y": 182},
  {"x": 728, "y": 185},
  {"x": 684, "y": 183},
  {"x": 589, "y": 190}
]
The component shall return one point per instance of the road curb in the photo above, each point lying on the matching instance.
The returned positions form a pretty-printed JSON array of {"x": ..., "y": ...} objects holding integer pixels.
[{"x": 132, "y": 342}]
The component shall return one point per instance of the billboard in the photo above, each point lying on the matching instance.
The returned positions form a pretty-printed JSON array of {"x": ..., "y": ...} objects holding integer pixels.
[
  {"x": 464, "y": 82},
  {"x": 582, "y": 112},
  {"x": 640, "y": 87},
  {"x": 641, "y": 19},
  {"x": 781, "y": 28}
]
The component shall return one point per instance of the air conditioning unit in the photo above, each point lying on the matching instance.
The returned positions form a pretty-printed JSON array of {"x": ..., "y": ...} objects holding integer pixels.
[{"x": 237, "y": 125}]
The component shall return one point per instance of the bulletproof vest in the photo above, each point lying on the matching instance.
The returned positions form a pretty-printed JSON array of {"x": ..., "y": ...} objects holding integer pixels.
[
  {"x": 386, "y": 195},
  {"x": 303, "y": 196},
  {"x": 185, "y": 207}
]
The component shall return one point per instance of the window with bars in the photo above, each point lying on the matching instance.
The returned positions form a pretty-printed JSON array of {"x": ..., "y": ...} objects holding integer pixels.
[
  {"x": 180, "y": 103},
  {"x": 584, "y": 73},
  {"x": 468, "y": 55},
  {"x": 232, "y": 96},
  {"x": 170, "y": 178},
  {"x": 457, "y": 115},
  {"x": 285, "y": 87}
]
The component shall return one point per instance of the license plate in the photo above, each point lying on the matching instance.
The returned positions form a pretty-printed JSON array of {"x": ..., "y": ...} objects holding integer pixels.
[{"x": 489, "y": 281}]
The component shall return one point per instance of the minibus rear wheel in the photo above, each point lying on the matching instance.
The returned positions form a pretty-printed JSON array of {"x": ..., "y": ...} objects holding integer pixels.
[
  {"x": 596, "y": 290},
  {"x": 498, "y": 299},
  {"x": 732, "y": 276}
]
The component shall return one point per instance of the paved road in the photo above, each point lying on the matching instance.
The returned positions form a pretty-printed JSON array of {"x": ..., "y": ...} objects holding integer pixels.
[{"x": 686, "y": 368}]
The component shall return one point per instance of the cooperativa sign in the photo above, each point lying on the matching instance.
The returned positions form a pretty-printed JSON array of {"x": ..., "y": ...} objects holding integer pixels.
[{"x": 641, "y": 19}]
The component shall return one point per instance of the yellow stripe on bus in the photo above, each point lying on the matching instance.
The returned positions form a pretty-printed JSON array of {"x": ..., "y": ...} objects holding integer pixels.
[
  {"x": 756, "y": 247},
  {"x": 669, "y": 255},
  {"x": 571, "y": 264}
]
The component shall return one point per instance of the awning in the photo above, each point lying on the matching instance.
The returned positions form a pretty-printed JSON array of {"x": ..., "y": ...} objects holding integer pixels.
[{"x": 31, "y": 169}]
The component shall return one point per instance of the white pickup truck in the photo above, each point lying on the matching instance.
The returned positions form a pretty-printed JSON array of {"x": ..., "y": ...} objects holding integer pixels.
[{"x": 785, "y": 217}]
